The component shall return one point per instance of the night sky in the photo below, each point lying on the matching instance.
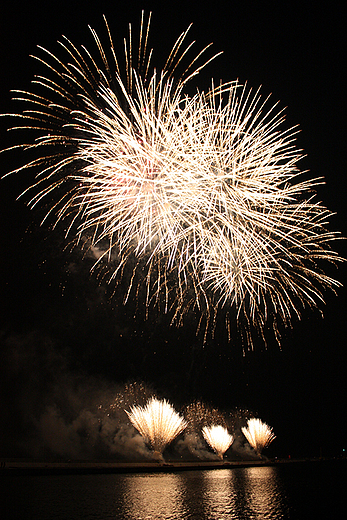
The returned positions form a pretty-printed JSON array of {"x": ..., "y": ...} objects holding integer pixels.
[{"x": 62, "y": 332}]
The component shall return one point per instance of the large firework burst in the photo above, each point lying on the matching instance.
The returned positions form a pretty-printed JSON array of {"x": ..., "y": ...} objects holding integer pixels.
[{"x": 201, "y": 191}]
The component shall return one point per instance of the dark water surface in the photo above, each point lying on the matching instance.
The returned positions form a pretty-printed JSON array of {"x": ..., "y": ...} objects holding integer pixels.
[{"x": 314, "y": 490}]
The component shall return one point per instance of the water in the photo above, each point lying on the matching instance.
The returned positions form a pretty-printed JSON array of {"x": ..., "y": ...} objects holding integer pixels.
[{"x": 292, "y": 491}]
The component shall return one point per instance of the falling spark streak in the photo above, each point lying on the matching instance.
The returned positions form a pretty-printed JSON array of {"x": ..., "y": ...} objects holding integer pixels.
[
  {"x": 258, "y": 434},
  {"x": 158, "y": 423},
  {"x": 218, "y": 438},
  {"x": 202, "y": 191}
]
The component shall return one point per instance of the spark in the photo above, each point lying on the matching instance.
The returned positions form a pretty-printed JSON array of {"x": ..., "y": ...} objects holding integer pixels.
[
  {"x": 158, "y": 423},
  {"x": 135, "y": 393},
  {"x": 198, "y": 415},
  {"x": 199, "y": 196},
  {"x": 218, "y": 438},
  {"x": 258, "y": 434}
]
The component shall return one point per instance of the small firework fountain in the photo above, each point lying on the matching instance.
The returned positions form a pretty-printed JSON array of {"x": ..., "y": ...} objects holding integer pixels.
[
  {"x": 158, "y": 423},
  {"x": 218, "y": 438},
  {"x": 258, "y": 434}
]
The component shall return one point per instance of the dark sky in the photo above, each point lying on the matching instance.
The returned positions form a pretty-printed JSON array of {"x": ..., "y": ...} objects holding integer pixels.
[{"x": 60, "y": 325}]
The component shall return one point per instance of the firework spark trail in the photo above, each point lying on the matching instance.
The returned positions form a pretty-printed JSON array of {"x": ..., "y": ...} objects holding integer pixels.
[
  {"x": 218, "y": 438},
  {"x": 198, "y": 415},
  {"x": 258, "y": 434},
  {"x": 158, "y": 423},
  {"x": 202, "y": 191}
]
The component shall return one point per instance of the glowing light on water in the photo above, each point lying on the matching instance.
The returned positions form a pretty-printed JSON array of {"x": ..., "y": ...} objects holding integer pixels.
[
  {"x": 198, "y": 197},
  {"x": 218, "y": 438},
  {"x": 258, "y": 434},
  {"x": 158, "y": 423}
]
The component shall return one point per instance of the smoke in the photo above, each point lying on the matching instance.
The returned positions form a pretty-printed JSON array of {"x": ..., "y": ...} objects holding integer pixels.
[
  {"x": 52, "y": 410},
  {"x": 70, "y": 440},
  {"x": 129, "y": 444},
  {"x": 88, "y": 437},
  {"x": 193, "y": 445},
  {"x": 241, "y": 449},
  {"x": 91, "y": 423}
]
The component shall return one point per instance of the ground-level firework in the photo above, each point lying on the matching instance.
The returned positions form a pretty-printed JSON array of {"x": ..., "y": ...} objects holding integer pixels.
[
  {"x": 218, "y": 438},
  {"x": 158, "y": 423},
  {"x": 258, "y": 434},
  {"x": 197, "y": 199}
]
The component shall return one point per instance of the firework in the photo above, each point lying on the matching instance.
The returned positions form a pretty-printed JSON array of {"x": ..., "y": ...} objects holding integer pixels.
[
  {"x": 131, "y": 394},
  {"x": 218, "y": 438},
  {"x": 258, "y": 434},
  {"x": 198, "y": 415},
  {"x": 158, "y": 423},
  {"x": 198, "y": 197}
]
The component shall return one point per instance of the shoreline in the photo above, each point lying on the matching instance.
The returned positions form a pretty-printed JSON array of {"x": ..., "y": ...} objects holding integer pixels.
[{"x": 10, "y": 467}]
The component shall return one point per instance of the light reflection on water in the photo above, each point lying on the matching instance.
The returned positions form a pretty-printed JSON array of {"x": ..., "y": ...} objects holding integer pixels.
[
  {"x": 252, "y": 493},
  {"x": 263, "y": 493},
  {"x": 154, "y": 496},
  {"x": 290, "y": 491}
]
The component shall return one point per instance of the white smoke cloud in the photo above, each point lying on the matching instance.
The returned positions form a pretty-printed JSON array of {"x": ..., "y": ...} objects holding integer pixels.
[
  {"x": 87, "y": 436},
  {"x": 193, "y": 444}
]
